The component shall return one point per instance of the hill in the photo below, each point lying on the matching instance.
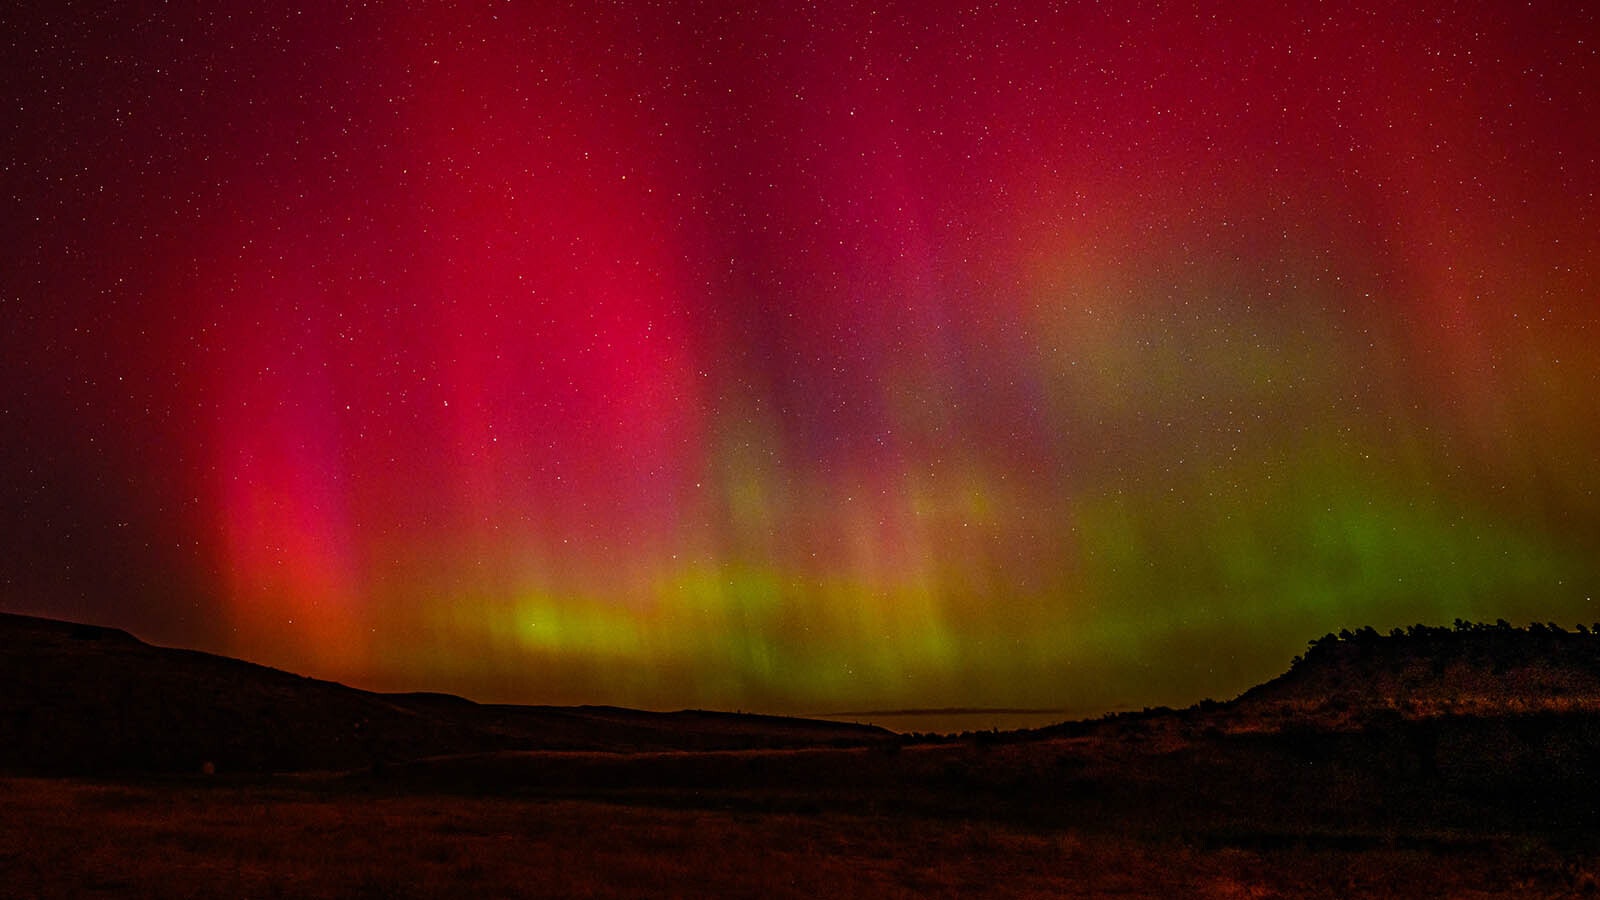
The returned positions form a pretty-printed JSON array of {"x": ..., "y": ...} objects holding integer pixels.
[
  {"x": 1435, "y": 761},
  {"x": 84, "y": 699},
  {"x": 1424, "y": 672}
]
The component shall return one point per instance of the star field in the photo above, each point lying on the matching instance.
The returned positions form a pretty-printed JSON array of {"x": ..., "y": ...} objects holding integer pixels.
[{"x": 799, "y": 357}]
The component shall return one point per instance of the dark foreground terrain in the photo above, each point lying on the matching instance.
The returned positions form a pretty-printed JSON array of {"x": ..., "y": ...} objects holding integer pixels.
[
  {"x": 91, "y": 839},
  {"x": 1437, "y": 763}
]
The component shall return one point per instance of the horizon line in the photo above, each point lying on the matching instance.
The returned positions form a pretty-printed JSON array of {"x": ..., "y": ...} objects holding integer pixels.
[{"x": 946, "y": 711}]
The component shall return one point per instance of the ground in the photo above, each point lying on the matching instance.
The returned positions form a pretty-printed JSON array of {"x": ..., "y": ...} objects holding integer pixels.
[{"x": 325, "y": 838}]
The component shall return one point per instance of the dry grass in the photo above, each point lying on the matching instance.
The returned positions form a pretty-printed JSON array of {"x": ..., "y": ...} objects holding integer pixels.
[{"x": 300, "y": 839}]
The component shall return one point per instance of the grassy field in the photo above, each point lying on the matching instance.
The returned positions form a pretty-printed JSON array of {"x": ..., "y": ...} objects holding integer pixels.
[{"x": 317, "y": 838}]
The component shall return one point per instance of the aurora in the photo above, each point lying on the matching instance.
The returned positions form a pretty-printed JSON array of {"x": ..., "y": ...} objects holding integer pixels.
[{"x": 803, "y": 357}]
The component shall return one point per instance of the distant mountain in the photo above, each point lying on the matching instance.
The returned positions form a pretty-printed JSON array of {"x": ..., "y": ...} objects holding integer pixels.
[{"x": 81, "y": 699}]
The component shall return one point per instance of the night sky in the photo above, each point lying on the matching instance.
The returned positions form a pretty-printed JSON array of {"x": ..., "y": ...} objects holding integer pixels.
[{"x": 798, "y": 358}]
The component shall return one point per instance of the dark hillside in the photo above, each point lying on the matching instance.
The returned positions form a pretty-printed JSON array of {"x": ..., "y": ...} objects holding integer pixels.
[
  {"x": 1422, "y": 672},
  {"x": 82, "y": 699}
]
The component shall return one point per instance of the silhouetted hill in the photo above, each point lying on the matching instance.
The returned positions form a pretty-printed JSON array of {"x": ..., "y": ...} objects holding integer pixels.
[
  {"x": 1423, "y": 671},
  {"x": 1353, "y": 680},
  {"x": 84, "y": 699}
]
